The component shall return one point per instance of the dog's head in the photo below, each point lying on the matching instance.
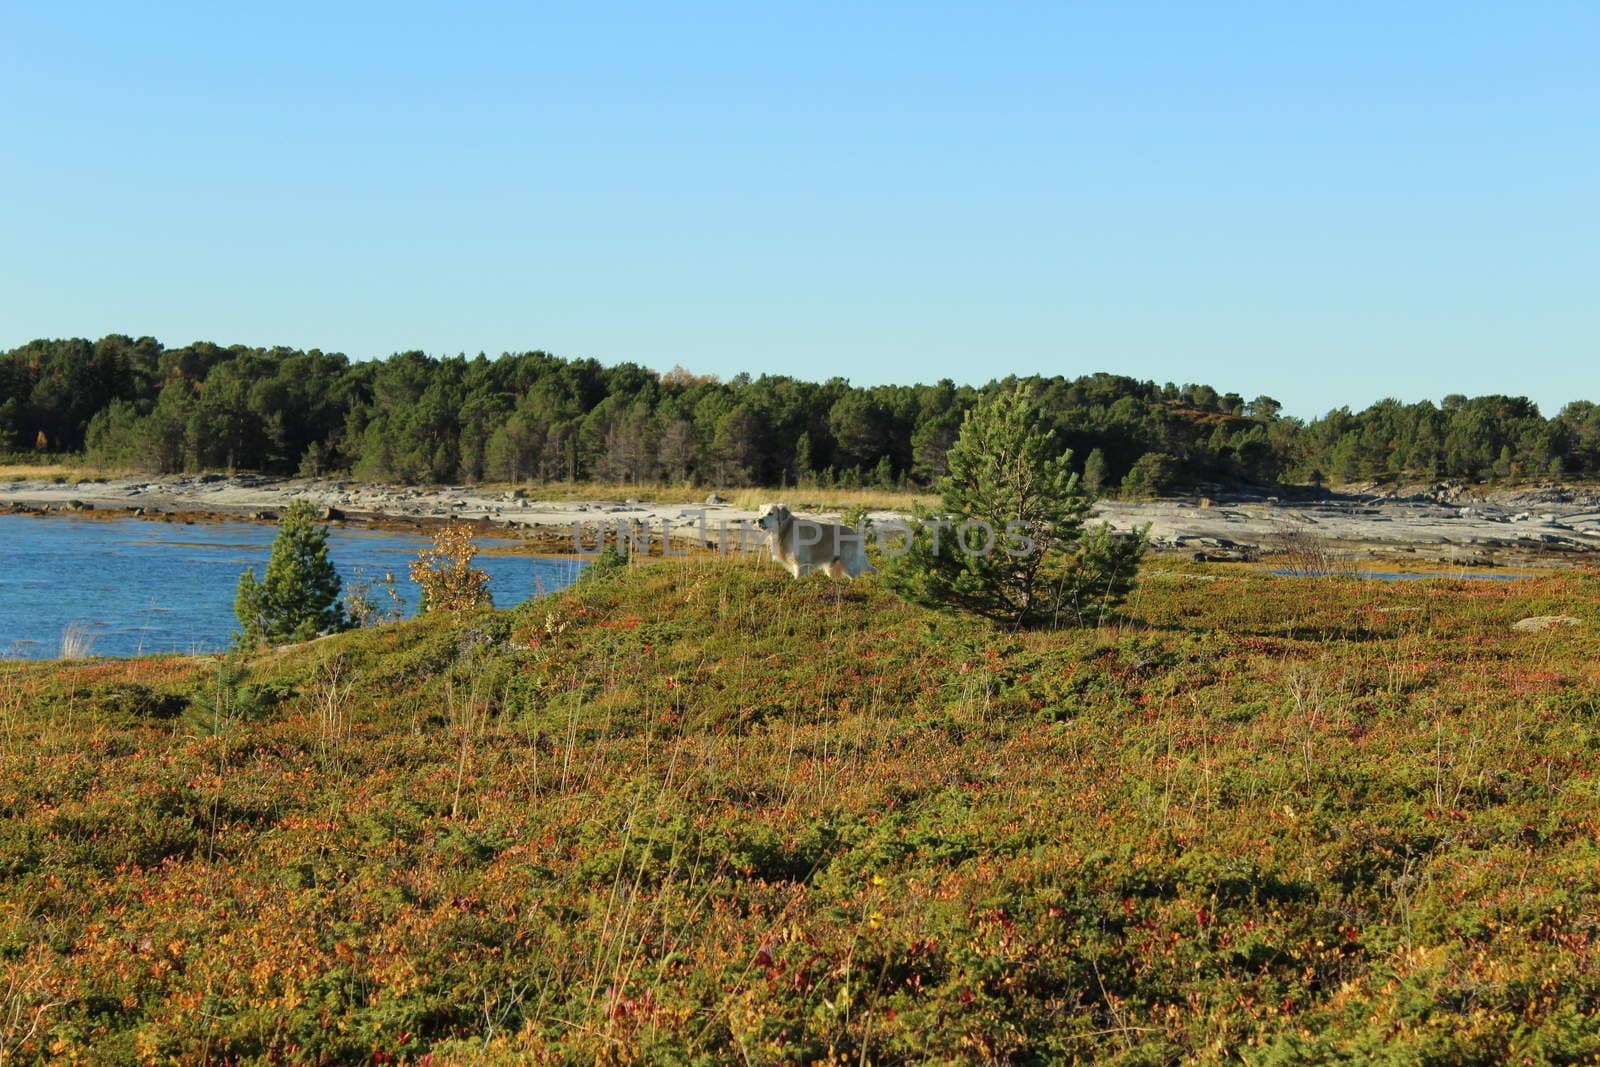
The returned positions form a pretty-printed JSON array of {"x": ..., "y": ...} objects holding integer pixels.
[{"x": 774, "y": 517}]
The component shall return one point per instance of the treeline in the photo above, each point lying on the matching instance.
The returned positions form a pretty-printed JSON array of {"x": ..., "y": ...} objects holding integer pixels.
[{"x": 536, "y": 417}]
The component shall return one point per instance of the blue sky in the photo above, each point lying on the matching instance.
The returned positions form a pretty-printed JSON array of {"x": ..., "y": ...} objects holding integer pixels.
[{"x": 1329, "y": 203}]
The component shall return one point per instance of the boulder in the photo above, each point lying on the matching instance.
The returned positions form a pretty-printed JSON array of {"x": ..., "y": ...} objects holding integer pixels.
[
  {"x": 1223, "y": 555},
  {"x": 1535, "y": 623}
]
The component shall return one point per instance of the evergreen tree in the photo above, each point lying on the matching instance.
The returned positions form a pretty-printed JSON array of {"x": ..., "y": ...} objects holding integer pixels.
[
  {"x": 1094, "y": 471},
  {"x": 1151, "y": 475},
  {"x": 930, "y": 443},
  {"x": 1011, "y": 545},
  {"x": 803, "y": 463},
  {"x": 299, "y": 596},
  {"x": 531, "y": 416}
]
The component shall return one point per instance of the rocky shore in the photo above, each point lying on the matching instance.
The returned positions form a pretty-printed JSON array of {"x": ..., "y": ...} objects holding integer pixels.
[
  {"x": 1497, "y": 530},
  {"x": 1442, "y": 525}
]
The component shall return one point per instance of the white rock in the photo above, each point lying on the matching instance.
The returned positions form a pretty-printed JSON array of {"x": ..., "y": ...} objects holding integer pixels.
[{"x": 1536, "y": 623}]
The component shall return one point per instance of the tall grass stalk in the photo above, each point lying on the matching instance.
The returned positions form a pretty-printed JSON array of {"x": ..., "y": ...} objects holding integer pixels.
[{"x": 77, "y": 641}]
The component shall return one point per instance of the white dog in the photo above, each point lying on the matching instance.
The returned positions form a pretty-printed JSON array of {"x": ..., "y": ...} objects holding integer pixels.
[{"x": 806, "y": 545}]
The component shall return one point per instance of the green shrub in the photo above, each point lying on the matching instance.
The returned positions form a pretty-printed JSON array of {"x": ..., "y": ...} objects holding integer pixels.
[
  {"x": 1033, "y": 564},
  {"x": 299, "y": 596}
]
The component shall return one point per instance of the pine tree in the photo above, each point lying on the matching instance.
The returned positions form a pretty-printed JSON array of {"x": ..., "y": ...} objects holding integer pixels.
[
  {"x": 1151, "y": 475},
  {"x": 803, "y": 462},
  {"x": 1010, "y": 544},
  {"x": 298, "y": 598},
  {"x": 1094, "y": 471}
]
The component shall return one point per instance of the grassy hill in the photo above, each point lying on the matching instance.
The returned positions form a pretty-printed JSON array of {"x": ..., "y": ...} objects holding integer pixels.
[{"x": 698, "y": 812}]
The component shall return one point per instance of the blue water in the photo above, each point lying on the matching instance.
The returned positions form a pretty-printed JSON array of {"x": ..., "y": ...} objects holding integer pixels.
[
  {"x": 1401, "y": 576},
  {"x": 146, "y": 587}
]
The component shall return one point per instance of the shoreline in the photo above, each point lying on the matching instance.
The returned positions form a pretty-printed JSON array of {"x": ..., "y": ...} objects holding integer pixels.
[
  {"x": 1539, "y": 526},
  {"x": 497, "y": 541}
]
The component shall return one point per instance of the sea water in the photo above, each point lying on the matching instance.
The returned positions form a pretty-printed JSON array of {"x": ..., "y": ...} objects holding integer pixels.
[{"x": 136, "y": 587}]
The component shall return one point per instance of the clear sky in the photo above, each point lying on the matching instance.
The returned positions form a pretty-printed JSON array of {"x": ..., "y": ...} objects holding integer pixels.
[{"x": 1329, "y": 203}]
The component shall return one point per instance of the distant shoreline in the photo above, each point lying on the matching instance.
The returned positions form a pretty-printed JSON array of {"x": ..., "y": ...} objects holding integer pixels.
[{"x": 1541, "y": 525}]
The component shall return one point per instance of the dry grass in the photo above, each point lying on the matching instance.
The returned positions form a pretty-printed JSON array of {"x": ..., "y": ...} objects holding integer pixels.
[
  {"x": 1304, "y": 553},
  {"x": 834, "y": 499},
  {"x": 77, "y": 641},
  {"x": 56, "y": 472}
]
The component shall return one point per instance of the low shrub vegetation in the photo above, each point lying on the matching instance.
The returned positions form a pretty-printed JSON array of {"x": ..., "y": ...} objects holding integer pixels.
[{"x": 699, "y": 812}]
